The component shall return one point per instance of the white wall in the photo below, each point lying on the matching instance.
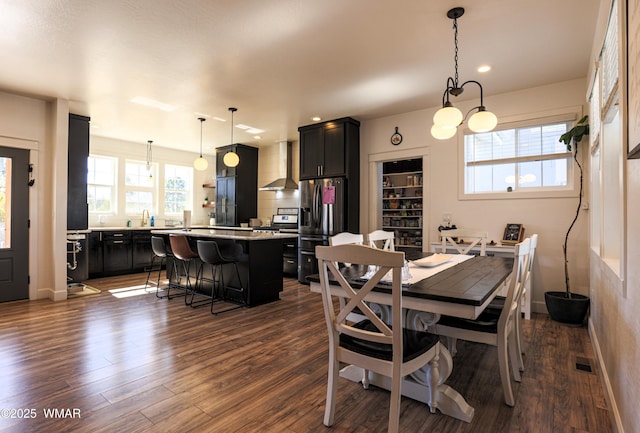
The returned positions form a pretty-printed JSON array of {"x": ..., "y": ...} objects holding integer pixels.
[
  {"x": 614, "y": 321},
  {"x": 126, "y": 150},
  {"x": 268, "y": 170},
  {"x": 549, "y": 217},
  {"x": 42, "y": 127}
]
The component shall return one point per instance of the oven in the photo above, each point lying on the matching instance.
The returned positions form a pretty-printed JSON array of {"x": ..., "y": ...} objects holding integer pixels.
[{"x": 285, "y": 223}]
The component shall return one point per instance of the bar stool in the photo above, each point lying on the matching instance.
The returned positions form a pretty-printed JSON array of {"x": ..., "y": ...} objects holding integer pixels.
[
  {"x": 161, "y": 256},
  {"x": 210, "y": 254},
  {"x": 183, "y": 252}
]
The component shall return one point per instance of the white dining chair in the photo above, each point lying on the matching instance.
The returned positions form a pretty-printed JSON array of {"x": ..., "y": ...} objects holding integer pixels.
[
  {"x": 381, "y": 239},
  {"x": 371, "y": 344},
  {"x": 496, "y": 328},
  {"x": 346, "y": 238},
  {"x": 498, "y": 302},
  {"x": 471, "y": 238}
]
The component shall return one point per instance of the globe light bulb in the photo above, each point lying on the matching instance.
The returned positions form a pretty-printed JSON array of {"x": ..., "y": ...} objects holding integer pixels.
[
  {"x": 448, "y": 117},
  {"x": 200, "y": 164},
  {"x": 231, "y": 159},
  {"x": 442, "y": 133},
  {"x": 483, "y": 121}
]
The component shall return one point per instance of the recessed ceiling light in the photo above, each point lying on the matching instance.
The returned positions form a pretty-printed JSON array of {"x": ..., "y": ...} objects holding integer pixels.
[
  {"x": 316, "y": 118},
  {"x": 257, "y": 137},
  {"x": 219, "y": 119},
  {"x": 148, "y": 102},
  {"x": 484, "y": 68}
]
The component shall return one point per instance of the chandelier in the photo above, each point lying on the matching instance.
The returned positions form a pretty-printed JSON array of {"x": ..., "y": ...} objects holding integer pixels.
[{"x": 448, "y": 118}]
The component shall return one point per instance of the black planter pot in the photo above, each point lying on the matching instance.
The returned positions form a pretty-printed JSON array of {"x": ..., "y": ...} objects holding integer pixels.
[{"x": 571, "y": 311}]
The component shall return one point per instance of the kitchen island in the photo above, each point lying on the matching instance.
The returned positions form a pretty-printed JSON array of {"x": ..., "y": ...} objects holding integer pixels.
[{"x": 259, "y": 262}]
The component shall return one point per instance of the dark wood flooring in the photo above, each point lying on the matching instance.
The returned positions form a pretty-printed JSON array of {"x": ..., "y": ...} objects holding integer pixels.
[{"x": 140, "y": 364}]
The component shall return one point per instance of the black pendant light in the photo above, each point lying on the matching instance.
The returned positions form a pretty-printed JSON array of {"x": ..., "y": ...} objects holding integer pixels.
[
  {"x": 201, "y": 163},
  {"x": 448, "y": 118},
  {"x": 231, "y": 159}
]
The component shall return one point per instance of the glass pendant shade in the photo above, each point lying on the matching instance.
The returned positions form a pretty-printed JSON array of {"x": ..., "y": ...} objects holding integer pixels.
[
  {"x": 231, "y": 159},
  {"x": 448, "y": 117},
  {"x": 200, "y": 163},
  {"x": 483, "y": 121},
  {"x": 442, "y": 133}
]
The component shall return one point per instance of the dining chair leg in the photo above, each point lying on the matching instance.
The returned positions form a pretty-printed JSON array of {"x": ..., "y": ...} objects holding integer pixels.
[
  {"x": 519, "y": 338},
  {"x": 515, "y": 357},
  {"x": 365, "y": 378},
  {"x": 332, "y": 388},
  {"x": 505, "y": 377},
  {"x": 394, "y": 406}
]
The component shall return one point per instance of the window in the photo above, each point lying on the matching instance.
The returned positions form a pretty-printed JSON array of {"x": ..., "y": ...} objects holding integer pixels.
[
  {"x": 101, "y": 184},
  {"x": 139, "y": 186},
  {"x": 521, "y": 160},
  {"x": 177, "y": 188}
]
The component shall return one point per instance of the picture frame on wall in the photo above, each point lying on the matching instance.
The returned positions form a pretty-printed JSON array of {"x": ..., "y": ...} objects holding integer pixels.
[
  {"x": 633, "y": 78},
  {"x": 513, "y": 234}
]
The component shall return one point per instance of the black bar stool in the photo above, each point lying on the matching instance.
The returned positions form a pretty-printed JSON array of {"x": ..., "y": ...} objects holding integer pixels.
[
  {"x": 210, "y": 254},
  {"x": 183, "y": 252},
  {"x": 161, "y": 256}
]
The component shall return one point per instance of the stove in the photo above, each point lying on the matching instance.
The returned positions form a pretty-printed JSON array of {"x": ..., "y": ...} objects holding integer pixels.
[
  {"x": 280, "y": 223},
  {"x": 284, "y": 222}
]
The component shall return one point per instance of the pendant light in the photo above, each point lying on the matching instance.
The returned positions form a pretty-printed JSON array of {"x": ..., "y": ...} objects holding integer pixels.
[
  {"x": 231, "y": 159},
  {"x": 200, "y": 163},
  {"x": 448, "y": 118},
  {"x": 149, "y": 158}
]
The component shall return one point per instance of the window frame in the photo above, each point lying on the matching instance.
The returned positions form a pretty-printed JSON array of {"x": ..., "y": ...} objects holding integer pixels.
[
  {"x": 189, "y": 189},
  {"x": 114, "y": 186},
  {"x": 573, "y": 176},
  {"x": 153, "y": 189}
]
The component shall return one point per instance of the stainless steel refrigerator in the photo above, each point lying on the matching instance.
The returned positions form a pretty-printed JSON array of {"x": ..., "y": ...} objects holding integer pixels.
[{"x": 323, "y": 213}]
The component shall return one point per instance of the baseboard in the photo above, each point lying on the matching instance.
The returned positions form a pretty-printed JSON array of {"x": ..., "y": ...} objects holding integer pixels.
[
  {"x": 54, "y": 295},
  {"x": 604, "y": 377}
]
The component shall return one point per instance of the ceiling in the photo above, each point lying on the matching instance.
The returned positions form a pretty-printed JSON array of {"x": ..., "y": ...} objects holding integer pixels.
[{"x": 280, "y": 62}]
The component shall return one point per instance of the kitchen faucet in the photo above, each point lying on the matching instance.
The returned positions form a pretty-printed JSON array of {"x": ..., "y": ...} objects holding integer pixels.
[{"x": 144, "y": 220}]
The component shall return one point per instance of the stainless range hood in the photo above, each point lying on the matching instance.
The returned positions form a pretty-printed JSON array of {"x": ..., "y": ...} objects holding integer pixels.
[{"x": 284, "y": 164}]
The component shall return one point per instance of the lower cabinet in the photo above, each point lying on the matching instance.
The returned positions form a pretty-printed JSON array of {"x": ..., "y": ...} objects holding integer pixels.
[
  {"x": 96, "y": 262},
  {"x": 141, "y": 251},
  {"x": 119, "y": 252},
  {"x": 116, "y": 247}
]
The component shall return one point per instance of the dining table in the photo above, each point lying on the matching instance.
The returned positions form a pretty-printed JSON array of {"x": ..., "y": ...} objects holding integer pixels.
[{"x": 433, "y": 284}]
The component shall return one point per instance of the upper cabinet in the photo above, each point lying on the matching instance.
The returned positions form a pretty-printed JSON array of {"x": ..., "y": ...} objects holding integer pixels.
[
  {"x": 78, "y": 151},
  {"x": 330, "y": 149},
  {"x": 236, "y": 187}
]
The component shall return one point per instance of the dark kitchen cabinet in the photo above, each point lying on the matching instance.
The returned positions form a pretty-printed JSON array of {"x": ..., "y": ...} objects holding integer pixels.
[
  {"x": 226, "y": 201},
  {"x": 96, "y": 266},
  {"x": 330, "y": 149},
  {"x": 141, "y": 250},
  {"x": 117, "y": 251},
  {"x": 113, "y": 252},
  {"x": 78, "y": 153},
  {"x": 236, "y": 187}
]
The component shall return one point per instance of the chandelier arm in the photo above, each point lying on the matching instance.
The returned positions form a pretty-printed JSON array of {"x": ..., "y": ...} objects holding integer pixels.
[
  {"x": 481, "y": 90},
  {"x": 479, "y": 108}
]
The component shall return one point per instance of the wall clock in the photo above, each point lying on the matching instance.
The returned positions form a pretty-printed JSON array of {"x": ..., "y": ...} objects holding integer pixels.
[{"x": 396, "y": 138}]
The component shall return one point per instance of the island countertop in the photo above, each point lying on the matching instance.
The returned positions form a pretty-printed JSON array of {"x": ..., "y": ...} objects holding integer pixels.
[{"x": 240, "y": 235}]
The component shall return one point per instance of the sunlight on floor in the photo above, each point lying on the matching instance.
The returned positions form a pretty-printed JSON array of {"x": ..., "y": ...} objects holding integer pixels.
[{"x": 127, "y": 292}]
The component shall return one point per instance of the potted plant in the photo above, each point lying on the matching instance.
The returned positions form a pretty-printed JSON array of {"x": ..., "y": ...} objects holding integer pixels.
[{"x": 565, "y": 306}]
